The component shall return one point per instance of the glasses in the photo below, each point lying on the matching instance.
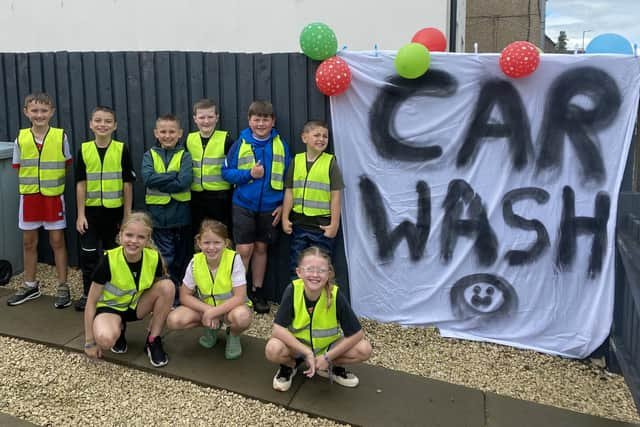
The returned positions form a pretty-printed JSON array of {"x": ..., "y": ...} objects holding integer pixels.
[{"x": 319, "y": 270}]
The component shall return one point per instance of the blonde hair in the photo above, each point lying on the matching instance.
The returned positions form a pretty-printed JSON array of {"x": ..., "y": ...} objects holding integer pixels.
[
  {"x": 316, "y": 251},
  {"x": 215, "y": 227},
  {"x": 144, "y": 219}
]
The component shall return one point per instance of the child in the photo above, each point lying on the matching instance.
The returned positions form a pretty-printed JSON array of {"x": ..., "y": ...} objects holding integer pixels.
[
  {"x": 210, "y": 194},
  {"x": 313, "y": 186},
  {"x": 256, "y": 165},
  {"x": 309, "y": 326},
  {"x": 104, "y": 193},
  {"x": 217, "y": 276},
  {"x": 41, "y": 154},
  {"x": 127, "y": 285},
  {"x": 167, "y": 174}
]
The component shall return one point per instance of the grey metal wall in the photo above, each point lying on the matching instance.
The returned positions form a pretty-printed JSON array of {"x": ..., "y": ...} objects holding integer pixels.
[{"x": 142, "y": 85}]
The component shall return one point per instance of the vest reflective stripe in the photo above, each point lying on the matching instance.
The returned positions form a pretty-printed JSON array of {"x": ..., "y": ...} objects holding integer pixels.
[
  {"x": 42, "y": 171},
  {"x": 208, "y": 162},
  {"x": 214, "y": 291},
  {"x": 246, "y": 161},
  {"x": 312, "y": 190},
  {"x": 121, "y": 293},
  {"x": 321, "y": 329},
  {"x": 105, "y": 186},
  {"x": 156, "y": 197}
]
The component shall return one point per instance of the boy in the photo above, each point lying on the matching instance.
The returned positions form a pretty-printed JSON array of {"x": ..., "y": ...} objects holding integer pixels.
[
  {"x": 210, "y": 194},
  {"x": 104, "y": 193},
  {"x": 256, "y": 165},
  {"x": 312, "y": 189},
  {"x": 41, "y": 154},
  {"x": 167, "y": 174}
]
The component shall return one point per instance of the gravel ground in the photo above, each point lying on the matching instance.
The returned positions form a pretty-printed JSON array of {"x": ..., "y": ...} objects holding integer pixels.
[{"x": 48, "y": 396}]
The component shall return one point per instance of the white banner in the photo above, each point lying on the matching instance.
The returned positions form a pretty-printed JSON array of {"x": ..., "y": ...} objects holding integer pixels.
[{"x": 486, "y": 205}]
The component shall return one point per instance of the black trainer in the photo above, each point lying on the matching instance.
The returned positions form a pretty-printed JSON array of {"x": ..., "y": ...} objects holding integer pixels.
[
  {"x": 120, "y": 346},
  {"x": 81, "y": 303},
  {"x": 260, "y": 305},
  {"x": 24, "y": 294},
  {"x": 157, "y": 356},
  {"x": 283, "y": 378}
]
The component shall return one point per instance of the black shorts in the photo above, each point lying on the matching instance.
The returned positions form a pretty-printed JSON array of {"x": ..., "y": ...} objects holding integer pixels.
[
  {"x": 129, "y": 315},
  {"x": 250, "y": 226}
]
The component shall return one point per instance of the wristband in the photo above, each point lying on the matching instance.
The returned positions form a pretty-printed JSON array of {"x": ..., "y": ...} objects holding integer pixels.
[
  {"x": 326, "y": 357},
  {"x": 89, "y": 345}
]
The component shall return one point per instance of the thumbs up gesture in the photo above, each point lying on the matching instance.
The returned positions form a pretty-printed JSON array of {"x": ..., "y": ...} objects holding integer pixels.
[{"x": 257, "y": 171}]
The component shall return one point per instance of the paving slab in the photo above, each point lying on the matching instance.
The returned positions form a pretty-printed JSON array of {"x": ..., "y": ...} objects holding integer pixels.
[
  {"x": 5, "y": 291},
  {"x": 37, "y": 320},
  {"x": 505, "y": 411},
  {"x": 7, "y": 420},
  {"x": 250, "y": 375},
  {"x": 385, "y": 397}
]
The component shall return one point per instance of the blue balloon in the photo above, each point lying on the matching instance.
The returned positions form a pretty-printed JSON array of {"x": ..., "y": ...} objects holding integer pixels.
[{"x": 610, "y": 43}]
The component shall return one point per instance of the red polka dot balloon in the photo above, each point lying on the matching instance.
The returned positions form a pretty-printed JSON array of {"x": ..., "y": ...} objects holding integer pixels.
[
  {"x": 333, "y": 76},
  {"x": 519, "y": 59}
]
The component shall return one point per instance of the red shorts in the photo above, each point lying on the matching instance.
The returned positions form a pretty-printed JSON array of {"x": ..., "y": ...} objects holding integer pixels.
[{"x": 36, "y": 208}]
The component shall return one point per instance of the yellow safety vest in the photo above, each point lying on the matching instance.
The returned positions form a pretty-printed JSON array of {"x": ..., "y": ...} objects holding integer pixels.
[
  {"x": 157, "y": 197},
  {"x": 42, "y": 171},
  {"x": 104, "y": 179},
  {"x": 312, "y": 191},
  {"x": 207, "y": 162},
  {"x": 121, "y": 293},
  {"x": 321, "y": 329},
  {"x": 246, "y": 160}
]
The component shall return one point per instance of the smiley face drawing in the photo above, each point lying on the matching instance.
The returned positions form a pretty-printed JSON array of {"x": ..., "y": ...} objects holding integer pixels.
[{"x": 484, "y": 296}]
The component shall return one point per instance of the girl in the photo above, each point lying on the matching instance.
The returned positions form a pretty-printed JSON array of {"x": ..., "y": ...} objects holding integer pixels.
[
  {"x": 308, "y": 326},
  {"x": 128, "y": 284},
  {"x": 217, "y": 277}
]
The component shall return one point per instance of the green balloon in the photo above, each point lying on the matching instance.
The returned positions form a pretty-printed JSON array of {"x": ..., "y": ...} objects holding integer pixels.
[
  {"x": 412, "y": 60},
  {"x": 318, "y": 41}
]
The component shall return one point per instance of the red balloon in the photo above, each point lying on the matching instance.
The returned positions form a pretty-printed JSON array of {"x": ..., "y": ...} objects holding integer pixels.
[
  {"x": 333, "y": 76},
  {"x": 519, "y": 59},
  {"x": 432, "y": 38}
]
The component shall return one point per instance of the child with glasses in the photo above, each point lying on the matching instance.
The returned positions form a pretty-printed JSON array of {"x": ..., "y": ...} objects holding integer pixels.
[{"x": 315, "y": 325}]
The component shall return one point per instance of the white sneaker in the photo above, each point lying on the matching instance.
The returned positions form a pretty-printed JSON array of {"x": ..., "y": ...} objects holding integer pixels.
[
  {"x": 341, "y": 376},
  {"x": 283, "y": 378}
]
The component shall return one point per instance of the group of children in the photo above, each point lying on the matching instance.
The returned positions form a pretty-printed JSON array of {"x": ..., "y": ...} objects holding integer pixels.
[{"x": 194, "y": 192}]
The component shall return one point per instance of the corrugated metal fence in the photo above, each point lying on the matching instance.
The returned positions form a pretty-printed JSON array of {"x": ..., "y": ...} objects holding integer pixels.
[{"x": 142, "y": 85}]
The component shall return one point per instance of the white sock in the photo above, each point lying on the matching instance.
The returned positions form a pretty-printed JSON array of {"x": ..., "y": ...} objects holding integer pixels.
[{"x": 31, "y": 284}]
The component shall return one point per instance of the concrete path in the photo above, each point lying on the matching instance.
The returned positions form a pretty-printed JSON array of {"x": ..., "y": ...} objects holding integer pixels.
[{"x": 384, "y": 397}]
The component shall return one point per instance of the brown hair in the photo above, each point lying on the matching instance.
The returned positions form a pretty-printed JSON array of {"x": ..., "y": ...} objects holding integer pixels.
[
  {"x": 40, "y": 98},
  {"x": 311, "y": 124},
  {"x": 316, "y": 251},
  {"x": 261, "y": 108},
  {"x": 169, "y": 118},
  {"x": 144, "y": 219},
  {"x": 204, "y": 104},
  {"x": 215, "y": 227},
  {"x": 104, "y": 109}
]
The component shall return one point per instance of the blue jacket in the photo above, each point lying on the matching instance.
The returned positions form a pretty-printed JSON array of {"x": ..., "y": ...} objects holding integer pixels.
[
  {"x": 175, "y": 213},
  {"x": 254, "y": 194}
]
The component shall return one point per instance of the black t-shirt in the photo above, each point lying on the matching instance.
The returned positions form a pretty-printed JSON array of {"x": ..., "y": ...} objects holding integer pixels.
[
  {"x": 102, "y": 273},
  {"x": 347, "y": 319}
]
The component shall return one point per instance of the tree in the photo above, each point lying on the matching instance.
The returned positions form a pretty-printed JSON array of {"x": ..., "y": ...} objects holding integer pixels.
[{"x": 562, "y": 42}]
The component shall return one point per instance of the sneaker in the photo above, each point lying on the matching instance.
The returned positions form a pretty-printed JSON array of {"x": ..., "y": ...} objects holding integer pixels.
[
  {"x": 63, "y": 296},
  {"x": 260, "y": 305},
  {"x": 209, "y": 338},
  {"x": 157, "y": 356},
  {"x": 283, "y": 378},
  {"x": 24, "y": 294},
  {"x": 120, "y": 346},
  {"x": 341, "y": 376},
  {"x": 81, "y": 303},
  {"x": 233, "y": 349}
]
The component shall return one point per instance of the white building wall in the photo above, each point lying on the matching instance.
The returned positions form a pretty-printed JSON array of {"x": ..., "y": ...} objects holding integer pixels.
[{"x": 211, "y": 25}]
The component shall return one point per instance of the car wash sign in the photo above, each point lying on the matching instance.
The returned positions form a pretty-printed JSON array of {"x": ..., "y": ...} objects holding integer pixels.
[{"x": 486, "y": 205}]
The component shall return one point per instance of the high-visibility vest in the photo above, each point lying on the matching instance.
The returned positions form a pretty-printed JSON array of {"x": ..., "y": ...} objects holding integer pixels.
[
  {"x": 208, "y": 161},
  {"x": 312, "y": 190},
  {"x": 120, "y": 292},
  {"x": 104, "y": 178},
  {"x": 246, "y": 160},
  {"x": 319, "y": 330},
  {"x": 42, "y": 171},
  {"x": 214, "y": 291},
  {"x": 157, "y": 197}
]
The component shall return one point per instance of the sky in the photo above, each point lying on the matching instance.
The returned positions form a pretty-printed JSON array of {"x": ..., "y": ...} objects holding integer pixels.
[{"x": 599, "y": 16}]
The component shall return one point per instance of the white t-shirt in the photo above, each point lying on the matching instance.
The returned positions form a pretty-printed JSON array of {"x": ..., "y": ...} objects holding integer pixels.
[{"x": 238, "y": 274}]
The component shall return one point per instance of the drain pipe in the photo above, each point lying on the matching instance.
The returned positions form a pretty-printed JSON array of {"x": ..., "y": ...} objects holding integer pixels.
[{"x": 453, "y": 23}]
